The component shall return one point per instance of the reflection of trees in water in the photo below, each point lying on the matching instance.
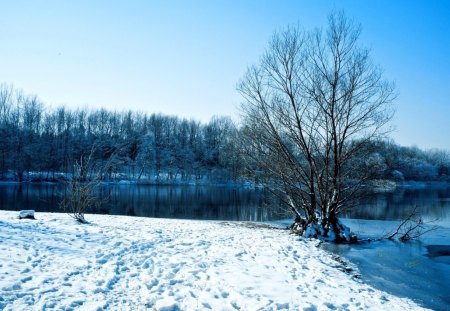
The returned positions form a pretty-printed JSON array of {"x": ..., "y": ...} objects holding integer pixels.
[
  {"x": 219, "y": 203},
  {"x": 192, "y": 202},
  {"x": 432, "y": 204},
  {"x": 42, "y": 198}
]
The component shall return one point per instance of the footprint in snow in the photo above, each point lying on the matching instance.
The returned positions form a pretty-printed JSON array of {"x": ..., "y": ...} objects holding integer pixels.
[
  {"x": 147, "y": 264},
  {"x": 27, "y": 279},
  {"x": 26, "y": 270}
]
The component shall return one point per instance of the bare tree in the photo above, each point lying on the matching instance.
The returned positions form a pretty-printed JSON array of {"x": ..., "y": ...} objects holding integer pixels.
[
  {"x": 80, "y": 189},
  {"x": 310, "y": 106},
  {"x": 410, "y": 228},
  {"x": 79, "y": 194}
]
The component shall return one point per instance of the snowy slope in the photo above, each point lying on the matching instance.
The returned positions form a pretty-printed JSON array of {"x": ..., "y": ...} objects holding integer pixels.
[{"x": 130, "y": 263}]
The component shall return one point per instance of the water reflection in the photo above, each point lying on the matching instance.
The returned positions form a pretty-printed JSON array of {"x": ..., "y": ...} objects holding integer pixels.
[
  {"x": 432, "y": 204},
  {"x": 186, "y": 202},
  {"x": 218, "y": 203}
]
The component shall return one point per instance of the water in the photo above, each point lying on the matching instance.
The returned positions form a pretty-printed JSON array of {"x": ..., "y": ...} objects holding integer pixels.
[
  {"x": 184, "y": 202},
  {"x": 403, "y": 269},
  {"x": 218, "y": 203},
  {"x": 433, "y": 204},
  {"x": 419, "y": 270}
]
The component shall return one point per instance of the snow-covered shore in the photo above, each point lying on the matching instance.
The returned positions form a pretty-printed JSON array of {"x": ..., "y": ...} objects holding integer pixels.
[{"x": 131, "y": 263}]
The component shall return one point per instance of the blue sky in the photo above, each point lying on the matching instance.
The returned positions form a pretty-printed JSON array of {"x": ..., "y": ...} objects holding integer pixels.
[{"x": 185, "y": 57}]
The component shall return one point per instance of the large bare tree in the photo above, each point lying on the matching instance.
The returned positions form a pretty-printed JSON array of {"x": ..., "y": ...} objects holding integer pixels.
[{"x": 311, "y": 105}]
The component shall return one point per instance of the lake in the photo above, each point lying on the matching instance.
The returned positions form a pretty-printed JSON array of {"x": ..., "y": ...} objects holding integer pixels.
[
  {"x": 403, "y": 269},
  {"x": 219, "y": 202},
  {"x": 183, "y": 202}
]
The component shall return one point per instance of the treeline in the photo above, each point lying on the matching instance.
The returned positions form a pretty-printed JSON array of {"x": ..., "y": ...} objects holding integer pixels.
[
  {"x": 37, "y": 143},
  {"x": 138, "y": 146},
  {"x": 391, "y": 161}
]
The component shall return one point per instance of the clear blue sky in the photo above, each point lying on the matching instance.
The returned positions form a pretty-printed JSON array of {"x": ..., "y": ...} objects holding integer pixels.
[{"x": 185, "y": 57}]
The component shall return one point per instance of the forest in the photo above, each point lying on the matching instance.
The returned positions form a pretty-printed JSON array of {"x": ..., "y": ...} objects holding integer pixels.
[{"x": 39, "y": 143}]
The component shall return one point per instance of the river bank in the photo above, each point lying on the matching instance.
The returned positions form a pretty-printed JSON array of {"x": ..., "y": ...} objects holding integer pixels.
[{"x": 119, "y": 262}]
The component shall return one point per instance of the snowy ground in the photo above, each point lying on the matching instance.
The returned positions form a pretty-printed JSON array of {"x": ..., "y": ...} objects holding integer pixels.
[{"x": 130, "y": 263}]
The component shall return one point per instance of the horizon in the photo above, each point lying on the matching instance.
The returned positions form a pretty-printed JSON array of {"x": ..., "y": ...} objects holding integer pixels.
[{"x": 185, "y": 59}]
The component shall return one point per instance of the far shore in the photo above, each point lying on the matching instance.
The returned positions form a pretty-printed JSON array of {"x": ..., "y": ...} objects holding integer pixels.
[{"x": 377, "y": 186}]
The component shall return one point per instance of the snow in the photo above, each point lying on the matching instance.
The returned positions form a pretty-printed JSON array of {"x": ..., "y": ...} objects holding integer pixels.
[{"x": 131, "y": 263}]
